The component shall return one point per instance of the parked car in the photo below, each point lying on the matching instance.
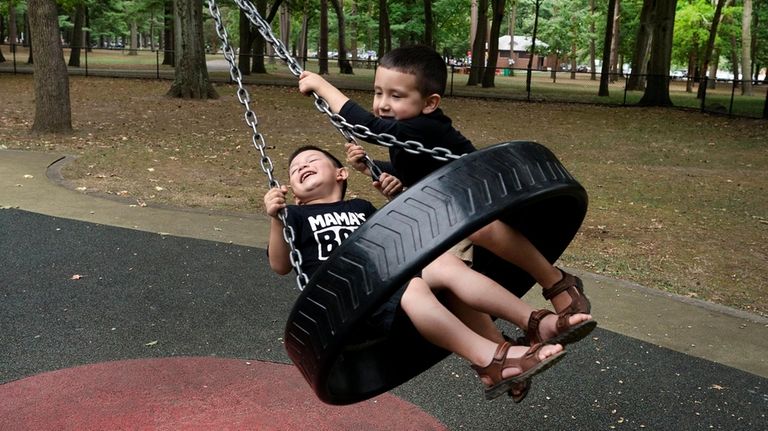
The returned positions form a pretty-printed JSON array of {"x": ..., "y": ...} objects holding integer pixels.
[{"x": 679, "y": 74}]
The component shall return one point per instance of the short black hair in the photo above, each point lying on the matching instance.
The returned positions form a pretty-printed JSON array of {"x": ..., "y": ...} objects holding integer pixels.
[
  {"x": 330, "y": 156},
  {"x": 422, "y": 61}
]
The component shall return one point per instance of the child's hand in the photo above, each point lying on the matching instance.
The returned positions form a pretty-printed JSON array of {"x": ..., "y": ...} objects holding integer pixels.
[
  {"x": 389, "y": 185},
  {"x": 356, "y": 157},
  {"x": 274, "y": 200},
  {"x": 310, "y": 82}
]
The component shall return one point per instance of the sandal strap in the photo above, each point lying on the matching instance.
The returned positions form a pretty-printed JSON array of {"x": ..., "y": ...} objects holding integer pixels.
[
  {"x": 575, "y": 289},
  {"x": 534, "y": 336},
  {"x": 497, "y": 365},
  {"x": 530, "y": 358}
]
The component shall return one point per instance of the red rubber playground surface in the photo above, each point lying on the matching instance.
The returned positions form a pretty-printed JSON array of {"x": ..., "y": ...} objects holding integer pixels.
[{"x": 191, "y": 393}]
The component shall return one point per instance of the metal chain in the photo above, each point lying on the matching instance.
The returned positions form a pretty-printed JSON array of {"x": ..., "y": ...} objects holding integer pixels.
[
  {"x": 258, "y": 141},
  {"x": 349, "y": 131}
]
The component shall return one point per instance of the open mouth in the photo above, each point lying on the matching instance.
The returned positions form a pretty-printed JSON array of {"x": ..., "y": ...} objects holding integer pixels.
[{"x": 305, "y": 175}]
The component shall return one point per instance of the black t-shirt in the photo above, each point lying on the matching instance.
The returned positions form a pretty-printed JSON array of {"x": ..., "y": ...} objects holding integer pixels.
[
  {"x": 320, "y": 228},
  {"x": 432, "y": 130}
]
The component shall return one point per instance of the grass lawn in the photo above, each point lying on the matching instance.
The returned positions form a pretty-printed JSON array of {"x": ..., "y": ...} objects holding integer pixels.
[{"x": 677, "y": 198}]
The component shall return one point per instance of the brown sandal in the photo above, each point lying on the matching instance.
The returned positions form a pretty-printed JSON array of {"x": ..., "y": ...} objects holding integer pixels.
[
  {"x": 566, "y": 333},
  {"x": 575, "y": 288},
  {"x": 529, "y": 363},
  {"x": 519, "y": 390}
]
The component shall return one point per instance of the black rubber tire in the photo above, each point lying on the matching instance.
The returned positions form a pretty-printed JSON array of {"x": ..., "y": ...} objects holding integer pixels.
[{"x": 521, "y": 183}]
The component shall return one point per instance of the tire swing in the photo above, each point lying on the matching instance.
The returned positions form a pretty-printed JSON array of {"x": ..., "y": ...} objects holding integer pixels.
[{"x": 520, "y": 183}]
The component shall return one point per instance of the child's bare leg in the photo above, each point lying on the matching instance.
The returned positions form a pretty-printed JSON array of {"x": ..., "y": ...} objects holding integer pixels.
[
  {"x": 512, "y": 246},
  {"x": 479, "y": 322},
  {"x": 442, "y": 328},
  {"x": 481, "y": 293}
]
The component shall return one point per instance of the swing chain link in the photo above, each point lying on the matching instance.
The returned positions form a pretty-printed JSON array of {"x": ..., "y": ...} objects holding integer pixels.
[
  {"x": 349, "y": 131},
  {"x": 289, "y": 235}
]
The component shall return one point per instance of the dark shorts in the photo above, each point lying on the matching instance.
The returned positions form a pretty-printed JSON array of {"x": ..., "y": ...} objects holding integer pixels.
[
  {"x": 382, "y": 321},
  {"x": 389, "y": 317}
]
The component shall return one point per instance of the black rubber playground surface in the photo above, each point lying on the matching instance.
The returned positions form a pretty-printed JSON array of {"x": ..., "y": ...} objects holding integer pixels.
[{"x": 75, "y": 293}]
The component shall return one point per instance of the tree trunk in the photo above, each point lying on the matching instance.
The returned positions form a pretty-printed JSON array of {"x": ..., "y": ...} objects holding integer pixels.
[
  {"x": 353, "y": 30},
  {"x": 30, "y": 60},
  {"x": 512, "y": 23},
  {"x": 529, "y": 73},
  {"x": 2, "y": 36},
  {"x": 322, "y": 53},
  {"x": 657, "y": 90},
  {"x": 168, "y": 33},
  {"x": 709, "y": 49},
  {"x": 615, "y": 42},
  {"x": 285, "y": 26},
  {"x": 472, "y": 22},
  {"x": 692, "y": 60},
  {"x": 746, "y": 50},
  {"x": 428, "y": 24},
  {"x": 573, "y": 58},
  {"x": 259, "y": 44},
  {"x": 87, "y": 36},
  {"x": 345, "y": 67},
  {"x": 12, "y": 31},
  {"x": 52, "y": 107},
  {"x": 134, "y": 43},
  {"x": 478, "y": 44},
  {"x": 493, "y": 45},
  {"x": 77, "y": 36},
  {"x": 712, "y": 82},
  {"x": 303, "y": 49},
  {"x": 735, "y": 56},
  {"x": 603, "y": 91},
  {"x": 191, "y": 78},
  {"x": 755, "y": 58},
  {"x": 636, "y": 81},
  {"x": 151, "y": 38},
  {"x": 246, "y": 43},
  {"x": 385, "y": 34},
  {"x": 270, "y": 50},
  {"x": 592, "y": 47}
]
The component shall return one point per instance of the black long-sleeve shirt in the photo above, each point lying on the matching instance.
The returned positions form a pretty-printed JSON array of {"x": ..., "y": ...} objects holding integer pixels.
[{"x": 432, "y": 130}]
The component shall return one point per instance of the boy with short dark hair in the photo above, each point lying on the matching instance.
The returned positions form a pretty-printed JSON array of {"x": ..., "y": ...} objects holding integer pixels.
[{"x": 408, "y": 88}]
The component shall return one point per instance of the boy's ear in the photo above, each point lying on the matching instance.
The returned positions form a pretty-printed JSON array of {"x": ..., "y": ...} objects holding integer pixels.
[
  {"x": 431, "y": 103},
  {"x": 341, "y": 174}
]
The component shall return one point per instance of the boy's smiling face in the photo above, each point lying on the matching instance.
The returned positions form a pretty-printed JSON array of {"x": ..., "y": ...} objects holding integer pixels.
[
  {"x": 397, "y": 96},
  {"x": 315, "y": 178}
]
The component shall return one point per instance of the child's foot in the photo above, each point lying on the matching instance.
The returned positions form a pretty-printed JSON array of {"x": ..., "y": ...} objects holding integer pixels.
[
  {"x": 545, "y": 326},
  {"x": 513, "y": 364},
  {"x": 567, "y": 295}
]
